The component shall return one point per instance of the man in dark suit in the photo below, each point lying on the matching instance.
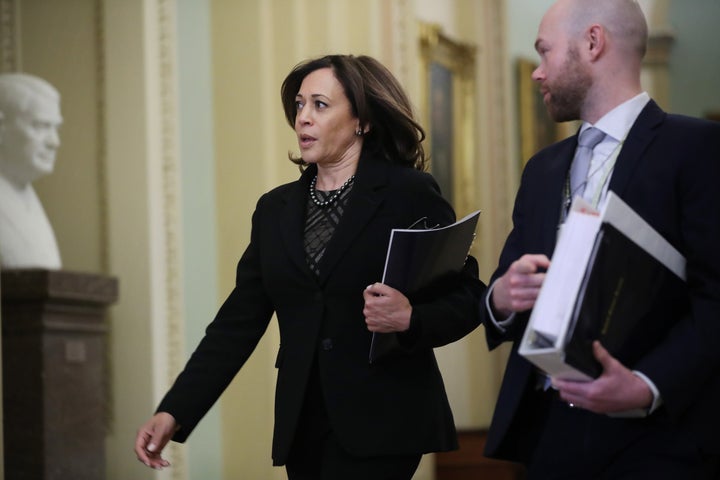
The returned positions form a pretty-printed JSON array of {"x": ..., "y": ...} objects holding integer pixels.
[{"x": 653, "y": 413}]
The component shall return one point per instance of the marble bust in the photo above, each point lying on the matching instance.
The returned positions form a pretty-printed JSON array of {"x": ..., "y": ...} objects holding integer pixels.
[{"x": 29, "y": 121}]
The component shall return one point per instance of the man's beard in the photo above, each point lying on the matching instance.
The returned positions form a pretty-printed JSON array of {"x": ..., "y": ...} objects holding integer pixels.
[{"x": 568, "y": 94}]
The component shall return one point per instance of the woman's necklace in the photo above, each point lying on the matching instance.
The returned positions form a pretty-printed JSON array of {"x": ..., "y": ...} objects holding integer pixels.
[{"x": 334, "y": 196}]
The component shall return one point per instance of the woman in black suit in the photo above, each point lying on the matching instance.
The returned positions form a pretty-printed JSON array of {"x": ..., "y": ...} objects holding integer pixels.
[{"x": 316, "y": 253}]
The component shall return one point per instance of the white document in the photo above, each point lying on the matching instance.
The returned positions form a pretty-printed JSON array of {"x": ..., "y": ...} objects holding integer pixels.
[{"x": 577, "y": 236}]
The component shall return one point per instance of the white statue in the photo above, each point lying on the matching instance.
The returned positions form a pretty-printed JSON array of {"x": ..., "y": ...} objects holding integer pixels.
[{"x": 29, "y": 121}]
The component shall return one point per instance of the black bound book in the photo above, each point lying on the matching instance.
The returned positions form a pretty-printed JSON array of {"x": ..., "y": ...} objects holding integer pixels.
[
  {"x": 617, "y": 293},
  {"x": 606, "y": 273},
  {"x": 416, "y": 257}
]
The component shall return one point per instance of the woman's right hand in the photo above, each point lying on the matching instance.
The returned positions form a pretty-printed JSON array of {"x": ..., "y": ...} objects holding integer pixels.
[{"x": 152, "y": 438}]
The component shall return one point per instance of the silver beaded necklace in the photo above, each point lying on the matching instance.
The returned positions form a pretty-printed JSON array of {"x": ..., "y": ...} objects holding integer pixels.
[{"x": 332, "y": 198}]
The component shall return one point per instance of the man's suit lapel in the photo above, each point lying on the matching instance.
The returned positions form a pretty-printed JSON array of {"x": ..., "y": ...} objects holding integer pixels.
[
  {"x": 556, "y": 170},
  {"x": 639, "y": 138}
]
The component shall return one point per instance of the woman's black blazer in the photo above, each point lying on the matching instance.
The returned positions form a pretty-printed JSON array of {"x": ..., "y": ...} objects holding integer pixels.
[{"x": 395, "y": 406}]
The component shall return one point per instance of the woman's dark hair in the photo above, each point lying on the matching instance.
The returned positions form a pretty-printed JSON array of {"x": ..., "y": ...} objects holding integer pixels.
[{"x": 377, "y": 100}]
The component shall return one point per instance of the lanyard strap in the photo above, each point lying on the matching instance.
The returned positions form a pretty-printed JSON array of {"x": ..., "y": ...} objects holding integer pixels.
[{"x": 608, "y": 164}]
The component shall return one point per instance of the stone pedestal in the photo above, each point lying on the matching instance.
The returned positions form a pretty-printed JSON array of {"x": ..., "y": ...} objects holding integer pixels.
[{"x": 55, "y": 396}]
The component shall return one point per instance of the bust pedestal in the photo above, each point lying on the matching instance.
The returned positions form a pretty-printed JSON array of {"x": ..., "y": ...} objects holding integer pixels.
[{"x": 55, "y": 373}]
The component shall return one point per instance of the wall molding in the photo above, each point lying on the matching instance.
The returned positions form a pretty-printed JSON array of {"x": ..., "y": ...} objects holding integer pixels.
[
  {"x": 9, "y": 51},
  {"x": 166, "y": 64},
  {"x": 101, "y": 153}
]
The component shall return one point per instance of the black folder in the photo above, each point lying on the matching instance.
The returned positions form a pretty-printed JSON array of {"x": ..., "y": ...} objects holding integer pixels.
[{"x": 418, "y": 257}]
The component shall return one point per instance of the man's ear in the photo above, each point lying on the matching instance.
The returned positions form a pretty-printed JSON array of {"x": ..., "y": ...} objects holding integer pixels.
[{"x": 596, "y": 39}]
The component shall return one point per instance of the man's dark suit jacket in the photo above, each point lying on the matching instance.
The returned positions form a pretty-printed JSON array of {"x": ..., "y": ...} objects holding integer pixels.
[
  {"x": 395, "y": 406},
  {"x": 668, "y": 171}
]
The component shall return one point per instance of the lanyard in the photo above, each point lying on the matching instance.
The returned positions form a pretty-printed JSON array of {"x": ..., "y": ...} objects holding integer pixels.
[{"x": 607, "y": 165}]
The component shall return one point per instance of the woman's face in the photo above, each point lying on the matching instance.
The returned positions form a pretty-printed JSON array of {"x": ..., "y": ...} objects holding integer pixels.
[{"x": 324, "y": 122}]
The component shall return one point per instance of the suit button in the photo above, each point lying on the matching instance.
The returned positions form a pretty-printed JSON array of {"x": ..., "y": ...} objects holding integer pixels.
[{"x": 326, "y": 344}]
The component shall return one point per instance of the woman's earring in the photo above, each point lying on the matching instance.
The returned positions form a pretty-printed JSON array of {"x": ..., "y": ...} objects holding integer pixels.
[{"x": 359, "y": 132}]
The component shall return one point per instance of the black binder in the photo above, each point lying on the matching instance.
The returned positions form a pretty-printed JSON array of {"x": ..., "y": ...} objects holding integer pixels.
[
  {"x": 617, "y": 292},
  {"x": 607, "y": 272},
  {"x": 416, "y": 258}
]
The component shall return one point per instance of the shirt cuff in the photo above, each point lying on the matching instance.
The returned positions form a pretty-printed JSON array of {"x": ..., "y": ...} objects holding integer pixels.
[
  {"x": 657, "y": 399},
  {"x": 501, "y": 325},
  {"x": 642, "y": 412}
]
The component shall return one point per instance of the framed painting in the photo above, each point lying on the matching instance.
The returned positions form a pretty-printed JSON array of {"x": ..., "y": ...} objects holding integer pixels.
[
  {"x": 448, "y": 104},
  {"x": 713, "y": 115}
]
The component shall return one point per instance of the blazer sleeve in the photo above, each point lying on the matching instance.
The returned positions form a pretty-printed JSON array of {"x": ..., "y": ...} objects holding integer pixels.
[
  {"x": 228, "y": 342},
  {"x": 447, "y": 310},
  {"x": 451, "y": 312}
]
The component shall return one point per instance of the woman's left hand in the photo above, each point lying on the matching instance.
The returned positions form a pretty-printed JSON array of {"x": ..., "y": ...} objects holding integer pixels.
[{"x": 386, "y": 309}]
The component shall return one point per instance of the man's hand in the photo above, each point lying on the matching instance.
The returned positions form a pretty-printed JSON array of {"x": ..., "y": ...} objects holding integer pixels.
[
  {"x": 518, "y": 288},
  {"x": 616, "y": 390}
]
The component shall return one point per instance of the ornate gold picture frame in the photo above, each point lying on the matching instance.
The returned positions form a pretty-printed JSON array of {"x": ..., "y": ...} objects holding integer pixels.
[
  {"x": 448, "y": 111},
  {"x": 713, "y": 115}
]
